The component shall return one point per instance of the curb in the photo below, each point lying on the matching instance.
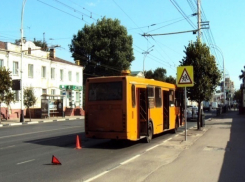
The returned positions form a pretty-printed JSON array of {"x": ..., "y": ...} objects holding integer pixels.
[{"x": 37, "y": 122}]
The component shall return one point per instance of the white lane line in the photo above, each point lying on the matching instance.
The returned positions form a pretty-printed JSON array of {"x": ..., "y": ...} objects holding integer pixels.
[
  {"x": 93, "y": 178},
  {"x": 7, "y": 147},
  {"x": 61, "y": 119},
  {"x": 25, "y": 162},
  {"x": 38, "y": 132},
  {"x": 125, "y": 162},
  {"x": 152, "y": 147},
  {"x": 176, "y": 135},
  {"x": 166, "y": 140}
]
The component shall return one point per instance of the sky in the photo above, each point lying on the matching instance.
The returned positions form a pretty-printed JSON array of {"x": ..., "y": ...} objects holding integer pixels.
[{"x": 57, "y": 21}]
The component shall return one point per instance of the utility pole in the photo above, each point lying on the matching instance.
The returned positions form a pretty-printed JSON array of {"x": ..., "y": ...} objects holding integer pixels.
[
  {"x": 21, "y": 63},
  {"x": 199, "y": 19},
  {"x": 145, "y": 54}
]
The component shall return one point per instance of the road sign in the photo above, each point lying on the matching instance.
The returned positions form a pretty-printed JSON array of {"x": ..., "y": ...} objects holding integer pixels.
[{"x": 185, "y": 76}]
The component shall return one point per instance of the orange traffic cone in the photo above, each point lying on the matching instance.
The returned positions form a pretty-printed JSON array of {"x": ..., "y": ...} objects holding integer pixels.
[
  {"x": 78, "y": 143},
  {"x": 55, "y": 160}
]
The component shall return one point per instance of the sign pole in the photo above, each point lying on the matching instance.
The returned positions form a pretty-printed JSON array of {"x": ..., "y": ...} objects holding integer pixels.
[{"x": 185, "y": 117}]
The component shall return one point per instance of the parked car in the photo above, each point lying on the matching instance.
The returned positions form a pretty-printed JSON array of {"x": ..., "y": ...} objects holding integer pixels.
[
  {"x": 214, "y": 105},
  {"x": 206, "y": 105},
  {"x": 192, "y": 112}
]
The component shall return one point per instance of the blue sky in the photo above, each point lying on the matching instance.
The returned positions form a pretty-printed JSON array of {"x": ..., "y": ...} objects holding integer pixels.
[{"x": 60, "y": 19}]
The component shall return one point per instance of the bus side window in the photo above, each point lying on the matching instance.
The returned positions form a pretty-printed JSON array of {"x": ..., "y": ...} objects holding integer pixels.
[
  {"x": 133, "y": 95},
  {"x": 158, "y": 97},
  {"x": 171, "y": 98}
]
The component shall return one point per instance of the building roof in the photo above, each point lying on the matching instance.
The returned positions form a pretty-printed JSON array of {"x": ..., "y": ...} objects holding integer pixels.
[
  {"x": 56, "y": 59},
  {"x": 2, "y": 45}
]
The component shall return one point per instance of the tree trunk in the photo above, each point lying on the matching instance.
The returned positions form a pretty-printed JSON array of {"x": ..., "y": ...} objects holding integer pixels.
[
  {"x": 198, "y": 116},
  {"x": 29, "y": 113}
]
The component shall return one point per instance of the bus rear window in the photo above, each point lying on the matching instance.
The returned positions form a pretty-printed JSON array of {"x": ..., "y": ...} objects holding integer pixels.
[{"x": 105, "y": 91}]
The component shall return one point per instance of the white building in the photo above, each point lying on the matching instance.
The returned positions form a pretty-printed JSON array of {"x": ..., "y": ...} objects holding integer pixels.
[{"x": 46, "y": 73}]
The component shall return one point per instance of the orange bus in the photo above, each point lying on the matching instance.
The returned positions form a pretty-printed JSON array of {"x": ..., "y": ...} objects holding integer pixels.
[{"x": 128, "y": 107}]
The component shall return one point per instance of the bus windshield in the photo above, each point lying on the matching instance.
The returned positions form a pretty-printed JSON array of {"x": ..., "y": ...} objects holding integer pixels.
[{"x": 105, "y": 91}]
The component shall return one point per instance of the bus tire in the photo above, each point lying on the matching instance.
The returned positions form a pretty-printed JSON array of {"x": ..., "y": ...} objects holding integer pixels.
[
  {"x": 150, "y": 133},
  {"x": 176, "y": 125}
]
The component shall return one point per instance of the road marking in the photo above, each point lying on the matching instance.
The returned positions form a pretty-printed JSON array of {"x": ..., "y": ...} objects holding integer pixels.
[
  {"x": 152, "y": 147},
  {"x": 125, "y": 162},
  {"x": 7, "y": 147},
  {"x": 176, "y": 135},
  {"x": 166, "y": 140},
  {"x": 38, "y": 132},
  {"x": 25, "y": 162},
  {"x": 101, "y": 174}
]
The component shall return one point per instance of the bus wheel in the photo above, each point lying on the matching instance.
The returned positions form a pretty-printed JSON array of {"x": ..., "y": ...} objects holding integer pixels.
[{"x": 150, "y": 133}]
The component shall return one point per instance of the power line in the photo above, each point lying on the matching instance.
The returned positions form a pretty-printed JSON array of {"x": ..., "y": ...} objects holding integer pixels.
[
  {"x": 182, "y": 13},
  {"x": 62, "y": 11}
]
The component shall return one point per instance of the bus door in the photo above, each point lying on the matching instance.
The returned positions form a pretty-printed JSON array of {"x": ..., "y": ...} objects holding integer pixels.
[
  {"x": 165, "y": 109},
  {"x": 142, "y": 108}
]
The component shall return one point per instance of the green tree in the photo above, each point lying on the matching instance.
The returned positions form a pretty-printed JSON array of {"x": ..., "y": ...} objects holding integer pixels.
[
  {"x": 237, "y": 96},
  {"x": 206, "y": 73},
  {"x": 9, "y": 97},
  {"x": 158, "y": 74},
  {"x": 170, "y": 79},
  {"x": 103, "y": 48},
  {"x": 29, "y": 99},
  {"x": 5, "y": 84}
]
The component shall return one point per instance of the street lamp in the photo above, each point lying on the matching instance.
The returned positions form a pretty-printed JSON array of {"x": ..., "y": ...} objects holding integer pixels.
[
  {"x": 145, "y": 54},
  {"x": 21, "y": 63},
  {"x": 217, "y": 48}
]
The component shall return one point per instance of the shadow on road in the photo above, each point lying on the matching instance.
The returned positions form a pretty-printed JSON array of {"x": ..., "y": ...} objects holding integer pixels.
[{"x": 234, "y": 159}]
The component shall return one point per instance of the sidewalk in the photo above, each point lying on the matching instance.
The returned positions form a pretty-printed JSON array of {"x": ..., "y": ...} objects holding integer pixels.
[
  {"x": 16, "y": 122},
  {"x": 215, "y": 153}
]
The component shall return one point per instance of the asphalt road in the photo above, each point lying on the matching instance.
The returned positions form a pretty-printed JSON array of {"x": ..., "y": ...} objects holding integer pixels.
[{"x": 26, "y": 152}]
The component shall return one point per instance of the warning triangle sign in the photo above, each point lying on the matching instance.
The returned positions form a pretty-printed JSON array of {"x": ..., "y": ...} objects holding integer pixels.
[{"x": 185, "y": 78}]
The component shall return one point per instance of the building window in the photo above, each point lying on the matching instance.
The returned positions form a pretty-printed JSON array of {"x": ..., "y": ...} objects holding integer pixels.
[
  {"x": 30, "y": 70},
  {"x": 1, "y": 63},
  {"x": 16, "y": 95},
  {"x": 44, "y": 91},
  {"x": 52, "y": 91},
  {"x": 61, "y": 75},
  {"x": 69, "y": 75},
  {"x": 52, "y": 73},
  {"x": 43, "y": 72},
  {"x": 77, "y": 77},
  {"x": 15, "y": 68},
  {"x": 77, "y": 96}
]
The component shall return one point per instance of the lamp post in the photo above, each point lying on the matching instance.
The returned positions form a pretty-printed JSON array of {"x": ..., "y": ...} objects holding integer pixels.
[
  {"x": 217, "y": 48},
  {"x": 21, "y": 63},
  {"x": 145, "y": 54}
]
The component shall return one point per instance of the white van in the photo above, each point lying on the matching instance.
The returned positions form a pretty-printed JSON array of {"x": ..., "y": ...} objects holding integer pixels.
[{"x": 214, "y": 105}]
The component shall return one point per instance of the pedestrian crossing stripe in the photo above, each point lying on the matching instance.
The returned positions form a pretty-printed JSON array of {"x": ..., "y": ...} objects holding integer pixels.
[{"x": 185, "y": 78}]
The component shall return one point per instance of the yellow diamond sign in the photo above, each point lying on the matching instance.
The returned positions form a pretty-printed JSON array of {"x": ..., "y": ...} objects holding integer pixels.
[{"x": 185, "y": 76}]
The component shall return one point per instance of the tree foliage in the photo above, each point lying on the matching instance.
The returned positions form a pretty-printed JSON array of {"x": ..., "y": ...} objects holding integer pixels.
[
  {"x": 160, "y": 74},
  {"x": 29, "y": 98},
  {"x": 206, "y": 72},
  {"x": 5, "y": 85},
  {"x": 237, "y": 96},
  {"x": 103, "y": 48}
]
